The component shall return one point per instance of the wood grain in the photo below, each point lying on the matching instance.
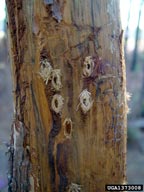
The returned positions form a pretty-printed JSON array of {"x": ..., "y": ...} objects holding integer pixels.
[{"x": 64, "y": 33}]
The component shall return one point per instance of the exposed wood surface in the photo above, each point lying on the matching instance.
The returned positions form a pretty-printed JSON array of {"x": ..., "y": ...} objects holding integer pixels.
[{"x": 88, "y": 150}]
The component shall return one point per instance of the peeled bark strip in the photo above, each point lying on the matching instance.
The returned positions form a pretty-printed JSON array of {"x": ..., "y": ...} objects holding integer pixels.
[{"x": 69, "y": 131}]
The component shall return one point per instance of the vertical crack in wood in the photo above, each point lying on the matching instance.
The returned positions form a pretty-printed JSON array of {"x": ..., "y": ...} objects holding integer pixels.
[
  {"x": 17, "y": 27},
  {"x": 55, "y": 130}
]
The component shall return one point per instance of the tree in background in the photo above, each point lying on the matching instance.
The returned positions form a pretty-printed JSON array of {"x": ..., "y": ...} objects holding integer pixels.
[
  {"x": 137, "y": 37},
  {"x": 69, "y": 130}
]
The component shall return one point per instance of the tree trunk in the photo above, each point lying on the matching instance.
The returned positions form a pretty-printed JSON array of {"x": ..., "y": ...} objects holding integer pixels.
[{"x": 69, "y": 131}]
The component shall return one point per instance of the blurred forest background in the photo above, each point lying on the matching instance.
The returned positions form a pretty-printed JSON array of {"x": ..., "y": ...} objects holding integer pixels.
[
  {"x": 132, "y": 15},
  {"x": 6, "y": 100}
]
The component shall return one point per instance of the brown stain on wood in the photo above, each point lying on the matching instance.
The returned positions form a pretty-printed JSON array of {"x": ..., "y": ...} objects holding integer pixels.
[{"x": 96, "y": 149}]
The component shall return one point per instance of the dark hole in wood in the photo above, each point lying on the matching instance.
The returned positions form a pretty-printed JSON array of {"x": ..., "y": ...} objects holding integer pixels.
[
  {"x": 68, "y": 128},
  {"x": 56, "y": 103},
  {"x": 55, "y": 80},
  {"x": 43, "y": 54},
  {"x": 88, "y": 66},
  {"x": 85, "y": 102},
  {"x": 44, "y": 65}
]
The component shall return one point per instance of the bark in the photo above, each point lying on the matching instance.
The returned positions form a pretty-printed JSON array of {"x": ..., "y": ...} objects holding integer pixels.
[{"x": 69, "y": 131}]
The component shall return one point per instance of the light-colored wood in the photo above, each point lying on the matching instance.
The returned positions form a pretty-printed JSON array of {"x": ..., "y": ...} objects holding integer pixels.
[{"x": 73, "y": 148}]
